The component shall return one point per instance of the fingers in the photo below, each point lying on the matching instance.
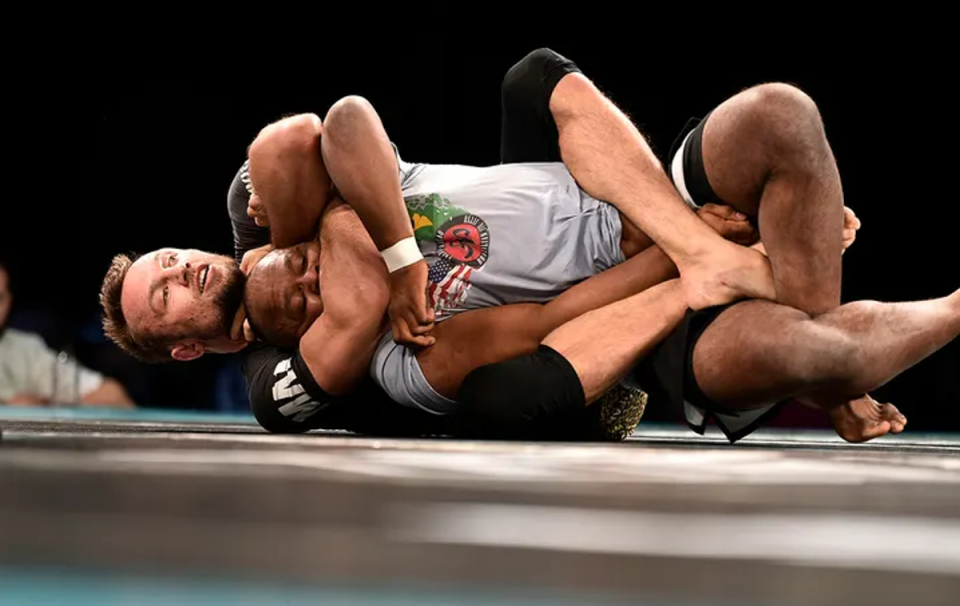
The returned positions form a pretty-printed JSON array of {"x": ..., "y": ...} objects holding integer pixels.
[
  {"x": 256, "y": 211},
  {"x": 417, "y": 320},
  {"x": 724, "y": 211},
  {"x": 407, "y": 330},
  {"x": 418, "y": 326},
  {"x": 403, "y": 335},
  {"x": 850, "y": 220},
  {"x": 849, "y": 237},
  {"x": 254, "y": 207},
  {"x": 421, "y": 313},
  {"x": 248, "y": 333},
  {"x": 742, "y": 232}
]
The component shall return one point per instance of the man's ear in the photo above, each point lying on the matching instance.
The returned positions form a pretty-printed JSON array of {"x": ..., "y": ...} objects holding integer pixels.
[{"x": 184, "y": 352}]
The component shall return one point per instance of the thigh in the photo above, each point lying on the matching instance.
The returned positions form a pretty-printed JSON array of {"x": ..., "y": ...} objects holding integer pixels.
[
  {"x": 753, "y": 354},
  {"x": 528, "y": 132}
]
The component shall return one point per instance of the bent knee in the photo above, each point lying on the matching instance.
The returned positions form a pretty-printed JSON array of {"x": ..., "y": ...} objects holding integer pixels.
[
  {"x": 782, "y": 99},
  {"x": 528, "y": 75},
  {"x": 783, "y": 116},
  {"x": 536, "y": 61}
]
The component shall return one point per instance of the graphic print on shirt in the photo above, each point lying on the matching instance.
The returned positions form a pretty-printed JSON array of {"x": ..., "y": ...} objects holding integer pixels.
[{"x": 460, "y": 242}]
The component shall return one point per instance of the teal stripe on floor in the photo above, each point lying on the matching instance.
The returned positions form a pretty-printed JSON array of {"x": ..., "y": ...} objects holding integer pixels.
[
  {"x": 59, "y": 588},
  {"x": 142, "y": 415}
]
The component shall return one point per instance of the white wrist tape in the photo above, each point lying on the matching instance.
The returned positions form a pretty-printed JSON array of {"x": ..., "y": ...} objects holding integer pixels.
[{"x": 403, "y": 253}]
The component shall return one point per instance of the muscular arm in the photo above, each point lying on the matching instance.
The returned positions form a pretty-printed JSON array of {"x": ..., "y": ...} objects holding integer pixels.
[
  {"x": 296, "y": 163},
  {"x": 289, "y": 179},
  {"x": 363, "y": 166},
  {"x": 464, "y": 342},
  {"x": 338, "y": 347}
]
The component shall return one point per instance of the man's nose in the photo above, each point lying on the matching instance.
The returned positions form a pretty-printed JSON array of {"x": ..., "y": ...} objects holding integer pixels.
[{"x": 180, "y": 273}]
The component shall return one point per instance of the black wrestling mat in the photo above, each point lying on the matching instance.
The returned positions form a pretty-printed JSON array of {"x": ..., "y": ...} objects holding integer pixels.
[{"x": 665, "y": 519}]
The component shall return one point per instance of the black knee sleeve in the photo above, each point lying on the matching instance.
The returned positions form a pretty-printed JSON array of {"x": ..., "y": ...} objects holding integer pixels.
[
  {"x": 694, "y": 171},
  {"x": 532, "y": 79},
  {"x": 522, "y": 396},
  {"x": 528, "y": 131}
]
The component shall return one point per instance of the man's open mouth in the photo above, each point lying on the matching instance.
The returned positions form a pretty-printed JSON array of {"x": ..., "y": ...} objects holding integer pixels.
[{"x": 203, "y": 278}]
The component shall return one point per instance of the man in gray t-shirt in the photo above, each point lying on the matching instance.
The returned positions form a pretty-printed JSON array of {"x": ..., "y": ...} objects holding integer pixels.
[
  {"x": 512, "y": 233},
  {"x": 494, "y": 236}
]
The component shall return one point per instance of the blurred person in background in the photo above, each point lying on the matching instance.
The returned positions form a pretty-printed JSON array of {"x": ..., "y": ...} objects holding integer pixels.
[{"x": 33, "y": 374}]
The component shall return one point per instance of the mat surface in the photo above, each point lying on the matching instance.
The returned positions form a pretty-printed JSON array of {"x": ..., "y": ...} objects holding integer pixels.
[{"x": 665, "y": 518}]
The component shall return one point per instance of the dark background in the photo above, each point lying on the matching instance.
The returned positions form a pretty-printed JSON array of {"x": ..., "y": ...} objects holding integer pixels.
[{"x": 117, "y": 154}]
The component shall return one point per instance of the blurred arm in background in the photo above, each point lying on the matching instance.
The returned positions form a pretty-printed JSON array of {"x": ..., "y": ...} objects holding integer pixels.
[{"x": 32, "y": 373}]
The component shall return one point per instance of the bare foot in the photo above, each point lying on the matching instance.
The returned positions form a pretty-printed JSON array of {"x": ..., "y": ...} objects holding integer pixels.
[
  {"x": 865, "y": 419},
  {"x": 731, "y": 273}
]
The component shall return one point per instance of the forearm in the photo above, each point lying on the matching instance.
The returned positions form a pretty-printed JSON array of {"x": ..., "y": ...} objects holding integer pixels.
[
  {"x": 464, "y": 343},
  {"x": 338, "y": 346},
  {"x": 109, "y": 393},
  {"x": 643, "y": 271},
  {"x": 604, "y": 344},
  {"x": 363, "y": 167}
]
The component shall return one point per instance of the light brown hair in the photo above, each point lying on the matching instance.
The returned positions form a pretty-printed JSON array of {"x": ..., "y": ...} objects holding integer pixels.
[{"x": 146, "y": 348}]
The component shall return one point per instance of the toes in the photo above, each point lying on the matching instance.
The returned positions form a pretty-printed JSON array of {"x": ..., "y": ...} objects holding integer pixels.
[{"x": 894, "y": 417}]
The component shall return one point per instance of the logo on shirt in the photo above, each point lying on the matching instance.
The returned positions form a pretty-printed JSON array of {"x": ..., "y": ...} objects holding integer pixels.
[
  {"x": 455, "y": 244},
  {"x": 464, "y": 239}
]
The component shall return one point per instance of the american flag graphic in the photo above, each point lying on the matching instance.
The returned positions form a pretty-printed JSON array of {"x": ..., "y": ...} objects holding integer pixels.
[{"x": 449, "y": 283}]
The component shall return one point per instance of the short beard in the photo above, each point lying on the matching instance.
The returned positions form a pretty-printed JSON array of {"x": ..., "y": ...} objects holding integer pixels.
[{"x": 231, "y": 297}]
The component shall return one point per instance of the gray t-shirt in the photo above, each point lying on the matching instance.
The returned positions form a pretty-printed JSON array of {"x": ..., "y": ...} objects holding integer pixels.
[
  {"x": 506, "y": 234},
  {"x": 511, "y": 233}
]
